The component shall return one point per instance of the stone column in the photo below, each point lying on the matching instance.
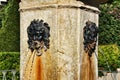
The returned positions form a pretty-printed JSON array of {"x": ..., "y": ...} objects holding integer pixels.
[{"x": 64, "y": 59}]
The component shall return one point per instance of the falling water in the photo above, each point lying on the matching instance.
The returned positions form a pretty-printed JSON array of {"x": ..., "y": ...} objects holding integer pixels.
[
  {"x": 39, "y": 70},
  {"x": 87, "y": 68},
  {"x": 33, "y": 68}
]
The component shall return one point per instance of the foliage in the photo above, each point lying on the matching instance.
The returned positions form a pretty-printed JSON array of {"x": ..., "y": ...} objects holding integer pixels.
[
  {"x": 9, "y": 61},
  {"x": 0, "y": 23},
  {"x": 111, "y": 54},
  {"x": 109, "y": 23},
  {"x": 1, "y": 15},
  {"x": 9, "y": 32}
]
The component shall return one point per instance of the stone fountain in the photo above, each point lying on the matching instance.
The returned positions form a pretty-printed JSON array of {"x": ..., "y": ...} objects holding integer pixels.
[{"x": 58, "y": 39}]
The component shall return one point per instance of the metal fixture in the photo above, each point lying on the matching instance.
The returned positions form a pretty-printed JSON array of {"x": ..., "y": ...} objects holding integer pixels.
[
  {"x": 90, "y": 37},
  {"x": 38, "y": 36}
]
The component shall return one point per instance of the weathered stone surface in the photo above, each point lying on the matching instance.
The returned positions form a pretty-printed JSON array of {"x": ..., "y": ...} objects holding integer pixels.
[
  {"x": 46, "y": 1},
  {"x": 85, "y": 62},
  {"x": 63, "y": 60}
]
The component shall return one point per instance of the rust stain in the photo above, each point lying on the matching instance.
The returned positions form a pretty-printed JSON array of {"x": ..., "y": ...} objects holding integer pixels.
[
  {"x": 50, "y": 68},
  {"x": 28, "y": 69},
  {"x": 87, "y": 68},
  {"x": 39, "y": 68}
]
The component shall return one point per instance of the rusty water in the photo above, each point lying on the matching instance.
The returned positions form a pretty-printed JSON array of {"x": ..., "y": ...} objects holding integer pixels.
[
  {"x": 87, "y": 68},
  {"x": 33, "y": 67},
  {"x": 39, "y": 67}
]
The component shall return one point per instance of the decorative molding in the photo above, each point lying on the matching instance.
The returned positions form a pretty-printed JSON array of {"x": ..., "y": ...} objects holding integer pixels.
[
  {"x": 90, "y": 37},
  {"x": 39, "y": 6},
  {"x": 38, "y": 36}
]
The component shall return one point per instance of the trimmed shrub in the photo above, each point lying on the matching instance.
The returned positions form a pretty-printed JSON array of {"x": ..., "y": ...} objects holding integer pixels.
[
  {"x": 9, "y": 32},
  {"x": 111, "y": 54},
  {"x": 1, "y": 15},
  {"x": 10, "y": 61},
  {"x": 0, "y": 23},
  {"x": 109, "y": 25}
]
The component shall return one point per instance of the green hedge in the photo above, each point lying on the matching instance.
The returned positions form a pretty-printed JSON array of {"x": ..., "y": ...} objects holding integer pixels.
[
  {"x": 0, "y": 23},
  {"x": 1, "y": 15},
  {"x": 109, "y": 25},
  {"x": 10, "y": 32},
  {"x": 10, "y": 61},
  {"x": 112, "y": 55}
]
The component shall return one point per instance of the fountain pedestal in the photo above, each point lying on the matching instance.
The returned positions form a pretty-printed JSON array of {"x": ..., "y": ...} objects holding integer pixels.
[{"x": 66, "y": 57}]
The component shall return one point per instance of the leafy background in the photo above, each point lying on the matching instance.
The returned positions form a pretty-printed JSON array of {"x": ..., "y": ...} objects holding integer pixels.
[
  {"x": 9, "y": 38},
  {"x": 10, "y": 61},
  {"x": 110, "y": 23},
  {"x": 10, "y": 27},
  {"x": 111, "y": 54},
  {"x": 109, "y": 35}
]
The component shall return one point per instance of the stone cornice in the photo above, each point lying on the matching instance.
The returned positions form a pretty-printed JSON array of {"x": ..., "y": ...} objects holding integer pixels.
[{"x": 39, "y": 6}]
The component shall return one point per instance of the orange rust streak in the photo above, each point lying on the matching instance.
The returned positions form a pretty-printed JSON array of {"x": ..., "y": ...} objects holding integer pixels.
[
  {"x": 87, "y": 70},
  {"x": 39, "y": 68}
]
